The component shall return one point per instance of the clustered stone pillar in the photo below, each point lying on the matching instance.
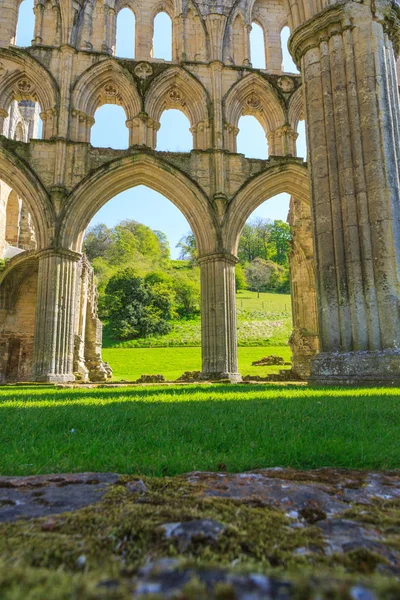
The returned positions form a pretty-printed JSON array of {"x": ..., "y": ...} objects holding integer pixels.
[
  {"x": 352, "y": 111},
  {"x": 218, "y": 317},
  {"x": 304, "y": 341},
  {"x": 55, "y": 316}
]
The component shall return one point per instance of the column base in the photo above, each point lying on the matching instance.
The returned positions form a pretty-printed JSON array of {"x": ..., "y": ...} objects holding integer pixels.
[
  {"x": 372, "y": 368},
  {"x": 232, "y": 377},
  {"x": 55, "y": 378}
]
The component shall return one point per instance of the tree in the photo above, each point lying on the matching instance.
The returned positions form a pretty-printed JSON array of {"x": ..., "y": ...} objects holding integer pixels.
[
  {"x": 240, "y": 278},
  {"x": 280, "y": 239},
  {"x": 188, "y": 247},
  {"x": 187, "y": 294},
  {"x": 136, "y": 308},
  {"x": 259, "y": 274},
  {"x": 254, "y": 240},
  {"x": 98, "y": 240}
]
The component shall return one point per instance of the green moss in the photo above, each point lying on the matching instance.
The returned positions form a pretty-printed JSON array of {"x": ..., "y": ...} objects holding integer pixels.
[{"x": 113, "y": 539}]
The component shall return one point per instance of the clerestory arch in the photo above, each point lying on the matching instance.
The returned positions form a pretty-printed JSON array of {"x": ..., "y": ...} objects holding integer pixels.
[
  {"x": 290, "y": 177},
  {"x": 177, "y": 89},
  {"x": 27, "y": 186},
  {"x": 104, "y": 83},
  {"x": 252, "y": 95},
  {"x": 125, "y": 173},
  {"x": 27, "y": 79}
]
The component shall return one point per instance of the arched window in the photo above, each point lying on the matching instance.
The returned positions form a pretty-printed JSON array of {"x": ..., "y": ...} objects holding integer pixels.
[
  {"x": 162, "y": 37},
  {"x": 126, "y": 24},
  {"x": 301, "y": 142},
  {"x": 288, "y": 65},
  {"x": 105, "y": 136},
  {"x": 257, "y": 46},
  {"x": 251, "y": 140},
  {"x": 19, "y": 133},
  {"x": 26, "y": 24},
  {"x": 13, "y": 218},
  {"x": 174, "y": 134}
]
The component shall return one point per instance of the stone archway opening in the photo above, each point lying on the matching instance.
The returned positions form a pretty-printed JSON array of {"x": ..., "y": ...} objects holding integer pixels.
[
  {"x": 276, "y": 307},
  {"x": 139, "y": 237},
  {"x": 26, "y": 24}
]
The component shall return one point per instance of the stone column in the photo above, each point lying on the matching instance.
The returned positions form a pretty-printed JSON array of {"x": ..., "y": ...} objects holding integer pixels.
[
  {"x": 218, "y": 317},
  {"x": 8, "y": 22},
  {"x": 304, "y": 341},
  {"x": 347, "y": 61},
  {"x": 55, "y": 316}
]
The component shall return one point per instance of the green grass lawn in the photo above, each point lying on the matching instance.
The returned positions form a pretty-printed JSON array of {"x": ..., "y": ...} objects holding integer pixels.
[
  {"x": 175, "y": 429},
  {"x": 131, "y": 363}
]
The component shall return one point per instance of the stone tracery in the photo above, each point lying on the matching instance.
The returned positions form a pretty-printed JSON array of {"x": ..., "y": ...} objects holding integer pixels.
[{"x": 353, "y": 149}]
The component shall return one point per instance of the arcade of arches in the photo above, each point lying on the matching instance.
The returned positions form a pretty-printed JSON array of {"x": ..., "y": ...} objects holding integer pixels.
[{"x": 345, "y": 260}]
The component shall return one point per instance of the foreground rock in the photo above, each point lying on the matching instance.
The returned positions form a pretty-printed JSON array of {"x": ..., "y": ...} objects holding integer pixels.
[{"x": 275, "y": 533}]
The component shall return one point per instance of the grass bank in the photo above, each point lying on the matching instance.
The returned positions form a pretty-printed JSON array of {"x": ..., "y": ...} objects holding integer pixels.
[
  {"x": 262, "y": 321},
  {"x": 170, "y": 430},
  {"x": 131, "y": 363}
]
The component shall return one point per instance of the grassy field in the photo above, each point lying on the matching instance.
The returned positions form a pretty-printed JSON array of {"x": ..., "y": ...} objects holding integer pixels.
[
  {"x": 169, "y": 430},
  {"x": 264, "y": 321},
  {"x": 130, "y": 363}
]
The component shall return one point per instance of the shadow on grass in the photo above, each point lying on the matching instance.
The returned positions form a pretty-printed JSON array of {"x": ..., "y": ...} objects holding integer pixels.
[
  {"x": 28, "y": 393},
  {"x": 143, "y": 431}
]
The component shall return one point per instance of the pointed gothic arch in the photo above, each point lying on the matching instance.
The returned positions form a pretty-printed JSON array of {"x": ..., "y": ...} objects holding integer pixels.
[
  {"x": 252, "y": 95},
  {"x": 27, "y": 79},
  {"x": 27, "y": 185},
  {"x": 291, "y": 177},
  {"x": 177, "y": 89},
  {"x": 104, "y": 83},
  {"x": 122, "y": 174}
]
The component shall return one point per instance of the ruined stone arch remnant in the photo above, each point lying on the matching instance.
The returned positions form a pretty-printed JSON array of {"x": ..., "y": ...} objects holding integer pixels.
[{"x": 344, "y": 212}]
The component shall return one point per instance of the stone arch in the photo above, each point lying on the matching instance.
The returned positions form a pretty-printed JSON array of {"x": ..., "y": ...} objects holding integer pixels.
[
  {"x": 238, "y": 39},
  {"x": 175, "y": 88},
  {"x": 290, "y": 177},
  {"x": 27, "y": 186},
  {"x": 104, "y": 83},
  {"x": 18, "y": 290},
  {"x": 195, "y": 35},
  {"x": 296, "y": 108},
  {"x": 253, "y": 95},
  {"x": 124, "y": 173},
  {"x": 13, "y": 215},
  {"x": 26, "y": 79}
]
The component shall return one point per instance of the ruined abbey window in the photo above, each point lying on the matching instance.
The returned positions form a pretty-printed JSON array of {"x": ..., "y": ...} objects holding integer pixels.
[
  {"x": 251, "y": 140},
  {"x": 104, "y": 136},
  {"x": 126, "y": 35},
  {"x": 288, "y": 65},
  {"x": 174, "y": 134},
  {"x": 257, "y": 46},
  {"x": 162, "y": 37},
  {"x": 26, "y": 24}
]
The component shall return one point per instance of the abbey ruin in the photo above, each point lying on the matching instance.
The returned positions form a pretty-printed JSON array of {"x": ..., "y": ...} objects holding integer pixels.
[{"x": 344, "y": 215}]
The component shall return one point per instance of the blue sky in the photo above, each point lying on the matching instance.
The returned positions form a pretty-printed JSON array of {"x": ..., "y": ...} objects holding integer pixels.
[{"x": 141, "y": 203}]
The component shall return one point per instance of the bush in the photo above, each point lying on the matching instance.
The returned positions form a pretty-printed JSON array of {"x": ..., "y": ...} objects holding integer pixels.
[{"x": 136, "y": 308}]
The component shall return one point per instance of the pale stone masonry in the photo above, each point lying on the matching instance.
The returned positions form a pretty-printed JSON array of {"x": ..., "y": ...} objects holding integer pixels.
[{"x": 345, "y": 204}]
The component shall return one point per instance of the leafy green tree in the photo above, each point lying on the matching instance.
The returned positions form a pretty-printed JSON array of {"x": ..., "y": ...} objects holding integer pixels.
[
  {"x": 187, "y": 294},
  {"x": 98, "y": 241},
  {"x": 136, "y": 308},
  {"x": 254, "y": 240},
  {"x": 240, "y": 278},
  {"x": 280, "y": 240}
]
